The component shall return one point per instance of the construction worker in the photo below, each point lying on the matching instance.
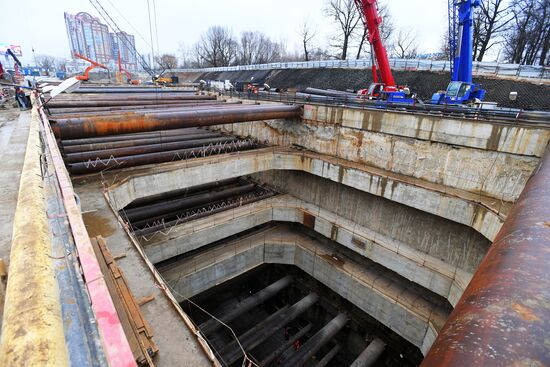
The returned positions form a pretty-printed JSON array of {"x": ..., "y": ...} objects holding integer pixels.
[{"x": 22, "y": 100}]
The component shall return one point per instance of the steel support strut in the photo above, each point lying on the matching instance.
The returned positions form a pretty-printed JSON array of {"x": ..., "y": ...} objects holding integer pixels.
[
  {"x": 317, "y": 341},
  {"x": 287, "y": 344},
  {"x": 323, "y": 362},
  {"x": 212, "y": 325},
  {"x": 253, "y": 337},
  {"x": 371, "y": 353}
]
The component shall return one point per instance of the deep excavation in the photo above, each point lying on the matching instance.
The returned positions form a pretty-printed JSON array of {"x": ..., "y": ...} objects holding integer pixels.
[{"x": 240, "y": 215}]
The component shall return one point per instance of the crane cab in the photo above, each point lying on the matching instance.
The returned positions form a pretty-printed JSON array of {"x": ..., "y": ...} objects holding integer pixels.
[{"x": 459, "y": 93}]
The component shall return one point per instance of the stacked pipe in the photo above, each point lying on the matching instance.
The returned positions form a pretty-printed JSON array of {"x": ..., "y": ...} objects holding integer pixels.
[
  {"x": 119, "y": 151},
  {"x": 78, "y": 128},
  {"x": 153, "y": 216},
  {"x": 116, "y": 127}
]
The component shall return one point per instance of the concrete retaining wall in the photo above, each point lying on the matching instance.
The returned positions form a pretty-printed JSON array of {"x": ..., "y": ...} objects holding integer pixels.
[
  {"x": 455, "y": 205},
  {"x": 450, "y": 242},
  {"x": 388, "y": 299},
  {"x": 444, "y": 279},
  {"x": 488, "y": 159}
]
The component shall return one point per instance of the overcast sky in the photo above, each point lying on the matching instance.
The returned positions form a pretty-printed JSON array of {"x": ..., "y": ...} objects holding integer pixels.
[{"x": 40, "y": 24}]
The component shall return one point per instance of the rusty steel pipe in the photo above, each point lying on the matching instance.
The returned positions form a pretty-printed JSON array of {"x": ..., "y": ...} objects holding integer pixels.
[
  {"x": 145, "y": 112},
  {"x": 91, "y": 127},
  {"x": 164, "y": 207},
  {"x": 54, "y": 111},
  {"x": 55, "y": 103},
  {"x": 167, "y": 115},
  {"x": 503, "y": 316},
  {"x": 120, "y": 96},
  {"x": 144, "y": 135},
  {"x": 138, "y": 142},
  {"x": 144, "y": 149},
  {"x": 116, "y": 90},
  {"x": 143, "y": 159}
]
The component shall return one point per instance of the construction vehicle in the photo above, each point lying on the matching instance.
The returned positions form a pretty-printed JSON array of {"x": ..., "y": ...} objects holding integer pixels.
[
  {"x": 384, "y": 88},
  {"x": 16, "y": 66},
  {"x": 461, "y": 90},
  {"x": 122, "y": 71},
  {"x": 162, "y": 80},
  {"x": 94, "y": 64}
]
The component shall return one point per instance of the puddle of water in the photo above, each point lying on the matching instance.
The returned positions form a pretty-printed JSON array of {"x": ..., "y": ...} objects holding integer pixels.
[{"x": 97, "y": 225}]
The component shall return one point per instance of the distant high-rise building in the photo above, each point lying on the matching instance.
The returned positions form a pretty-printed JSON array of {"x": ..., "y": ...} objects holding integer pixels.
[
  {"x": 91, "y": 38},
  {"x": 119, "y": 43}
]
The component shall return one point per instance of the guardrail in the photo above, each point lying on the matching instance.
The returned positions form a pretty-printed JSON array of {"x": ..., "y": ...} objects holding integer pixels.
[{"x": 479, "y": 68}]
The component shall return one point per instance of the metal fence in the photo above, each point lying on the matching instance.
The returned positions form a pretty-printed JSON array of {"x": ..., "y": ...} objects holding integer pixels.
[{"x": 479, "y": 68}]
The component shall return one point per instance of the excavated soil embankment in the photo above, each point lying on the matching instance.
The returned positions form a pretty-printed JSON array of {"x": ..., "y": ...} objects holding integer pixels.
[{"x": 531, "y": 95}]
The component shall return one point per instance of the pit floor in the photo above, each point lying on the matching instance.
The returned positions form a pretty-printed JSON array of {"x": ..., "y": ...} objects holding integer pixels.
[{"x": 351, "y": 338}]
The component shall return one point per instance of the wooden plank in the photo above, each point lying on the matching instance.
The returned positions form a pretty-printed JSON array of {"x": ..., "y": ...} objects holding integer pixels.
[{"x": 142, "y": 343}]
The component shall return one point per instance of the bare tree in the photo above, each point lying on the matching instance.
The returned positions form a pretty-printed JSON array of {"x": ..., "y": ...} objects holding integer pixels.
[
  {"x": 490, "y": 21},
  {"x": 167, "y": 61},
  {"x": 444, "y": 48},
  {"x": 386, "y": 30},
  {"x": 186, "y": 56},
  {"x": 345, "y": 15},
  {"x": 405, "y": 45},
  {"x": 216, "y": 47},
  {"x": 257, "y": 48},
  {"x": 61, "y": 64},
  {"x": 45, "y": 62},
  {"x": 528, "y": 39},
  {"x": 307, "y": 33}
]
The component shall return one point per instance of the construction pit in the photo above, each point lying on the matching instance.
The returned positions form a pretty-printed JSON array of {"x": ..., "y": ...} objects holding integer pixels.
[{"x": 263, "y": 233}]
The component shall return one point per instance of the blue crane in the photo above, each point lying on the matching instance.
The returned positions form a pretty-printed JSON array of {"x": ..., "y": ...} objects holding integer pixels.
[{"x": 461, "y": 89}]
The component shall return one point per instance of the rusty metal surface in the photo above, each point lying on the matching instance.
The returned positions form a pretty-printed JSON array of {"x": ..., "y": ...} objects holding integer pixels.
[
  {"x": 137, "y": 142},
  {"x": 144, "y": 149},
  {"x": 91, "y": 127},
  {"x": 145, "y": 135},
  {"x": 158, "y": 157},
  {"x": 113, "y": 110},
  {"x": 121, "y": 102},
  {"x": 503, "y": 317}
]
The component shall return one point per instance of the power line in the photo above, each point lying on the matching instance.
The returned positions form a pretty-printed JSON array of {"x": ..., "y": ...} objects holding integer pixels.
[
  {"x": 130, "y": 24},
  {"x": 111, "y": 23},
  {"x": 156, "y": 29},
  {"x": 151, "y": 34}
]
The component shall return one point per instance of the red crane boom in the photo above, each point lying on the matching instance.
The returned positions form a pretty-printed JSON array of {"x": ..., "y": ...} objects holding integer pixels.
[
  {"x": 371, "y": 20},
  {"x": 386, "y": 90}
]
